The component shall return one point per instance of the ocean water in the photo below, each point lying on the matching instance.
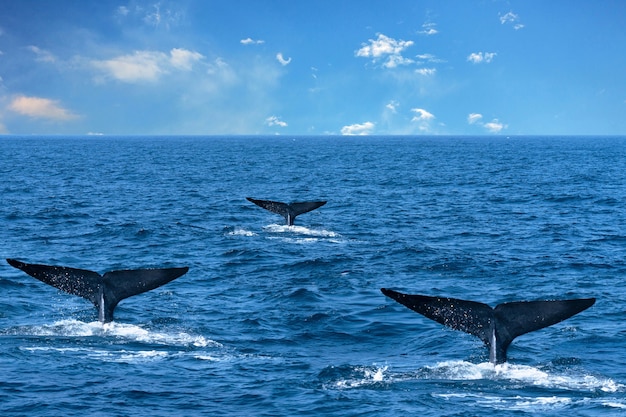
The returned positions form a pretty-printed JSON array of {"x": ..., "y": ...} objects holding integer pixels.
[{"x": 274, "y": 320}]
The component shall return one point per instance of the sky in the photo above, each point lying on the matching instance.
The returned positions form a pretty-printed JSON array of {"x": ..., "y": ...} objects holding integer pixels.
[{"x": 313, "y": 67}]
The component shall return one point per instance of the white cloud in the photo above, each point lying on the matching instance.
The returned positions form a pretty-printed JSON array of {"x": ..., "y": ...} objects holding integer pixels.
[
  {"x": 358, "y": 129},
  {"x": 282, "y": 60},
  {"x": 426, "y": 71},
  {"x": 122, "y": 11},
  {"x": 139, "y": 67},
  {"x": 421, "y": 114},
  {"x": 423, "y": 119},
  {"x": 41, "y": 108},
  {"x": 429, "y": 29},
  {"x": 495, "y": 126},
  {"x": 165, "y": 18},
  {"x": 430, "y": 58},
  {"x": 474, "y": 118},
  {"x": 221, "y": 75},
  {"x": 395, "y": 60},
  {"x": 508, "y": 18},
  {"x": 250, "y": 41},
  {"x": 184, "y": 59},
  {"x": 159, "y": 15},
  {"x": 511, "y": 18},
  {"x": 275, "y": 121},
  {"x": 385, "y": 49},
  {"x": 146, "y": 66},
  {"x": 42, "y": 55},
  {"x": 393, "y": 106},
  {"x": 479, "y": 57}
]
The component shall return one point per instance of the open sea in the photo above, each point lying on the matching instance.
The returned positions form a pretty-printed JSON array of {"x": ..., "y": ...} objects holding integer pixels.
[{"x": 273, "y": 320}]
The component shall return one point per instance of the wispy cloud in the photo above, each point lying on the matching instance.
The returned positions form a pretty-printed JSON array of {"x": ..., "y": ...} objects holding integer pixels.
[
  {"x": 146, "y": 66},
  {"x": 393, "y": 106},
  {"x": 358, "y": 129},
  {"x": 250, "y": 41},
  {"x": 426, "y": 71},
  {"x": 512, "y": 19},
  {"x": 423, "y": 119},
  {"x": 122, "y": 11},
  {"x": 183, "y": 58},
  {"x": 141, "y": 66},
  {"x": 473, "y": 118},
  {"x": 480, "y": 57},
  {"x": 165, "y": 17},
  {"x": 40, "y": 108},
  {"x": 494, "y": 126},
  {"x": 428, "y": 29},
  {"x": 385, "y": 49},
  {"x": 428, "y": 58},
  {"x": 275, "y": 121},
  {"x": 282, "y": 60},
  {"x": 159, "y": 15},
  {"x": 42, "y": 55},
  {"x": 421, "y": 115}
]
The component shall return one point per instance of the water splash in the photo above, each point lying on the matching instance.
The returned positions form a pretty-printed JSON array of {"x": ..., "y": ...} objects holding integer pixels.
[
  {"x": 241, "y": 232},
  {"x": 128, "y": 332},
  {"x": 526, "y": 375},
  {"x": 300, "y": 230},
  {"x": 512, "y": 375}
]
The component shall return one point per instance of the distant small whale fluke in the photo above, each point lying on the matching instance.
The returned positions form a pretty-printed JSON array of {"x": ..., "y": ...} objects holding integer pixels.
[
  {"x": 288, "y": 211},
  {"x": 496, "y": 327},
  {"x": 104, "y": 291}
]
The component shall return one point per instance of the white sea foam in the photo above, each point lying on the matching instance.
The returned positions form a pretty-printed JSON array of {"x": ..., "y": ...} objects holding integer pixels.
[
  {"x": 614, "y": 404},
  {"x": 241, "y": 232},
  {"x": 527, "y": 375},
  {"x": 513, "y": 402},
  {"x": 362, "y": 376},
  {"x": 532, "y": 404},
  {"x": 75, "y": 328},
  {"x": 465, "y": 371},
  {"x": 300, "y": 230},
  {"x": 140, "y": 334},
  {"x": 123, "y": 356}
]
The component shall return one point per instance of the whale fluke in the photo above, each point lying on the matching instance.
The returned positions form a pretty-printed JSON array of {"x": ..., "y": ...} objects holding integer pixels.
[
  {"x": 496, "y": 327},
  {"x": 104, "y": 291},
  {"x": 288, "y": 211}
]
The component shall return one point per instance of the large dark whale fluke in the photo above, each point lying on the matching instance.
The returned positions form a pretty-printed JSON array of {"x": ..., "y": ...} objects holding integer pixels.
[
  {"x": 104, "y": 291},
  {"x": 288, "y": 211},
  {"x": 496, "y": 327}
]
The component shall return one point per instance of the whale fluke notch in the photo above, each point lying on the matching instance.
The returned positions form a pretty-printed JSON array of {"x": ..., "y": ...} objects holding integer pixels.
[
  {"x": 104, "y": 291},
  {"x": 496, "y": 327},
  {"x": 288, "y": 210}
]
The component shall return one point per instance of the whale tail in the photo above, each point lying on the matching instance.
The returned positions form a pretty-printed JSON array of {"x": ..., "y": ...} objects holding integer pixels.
[
  {"x": 288, "y": 211},
  {"x": 496, "y": 327},
  {"x": 104, "y": 291}
]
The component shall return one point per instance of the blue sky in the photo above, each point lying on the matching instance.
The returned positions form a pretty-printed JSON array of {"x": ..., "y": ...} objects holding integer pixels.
[{"x": 306, "y": 67}]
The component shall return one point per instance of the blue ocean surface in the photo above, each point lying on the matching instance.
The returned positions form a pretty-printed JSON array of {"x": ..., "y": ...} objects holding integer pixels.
[{"x": 273, "y": 320}]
